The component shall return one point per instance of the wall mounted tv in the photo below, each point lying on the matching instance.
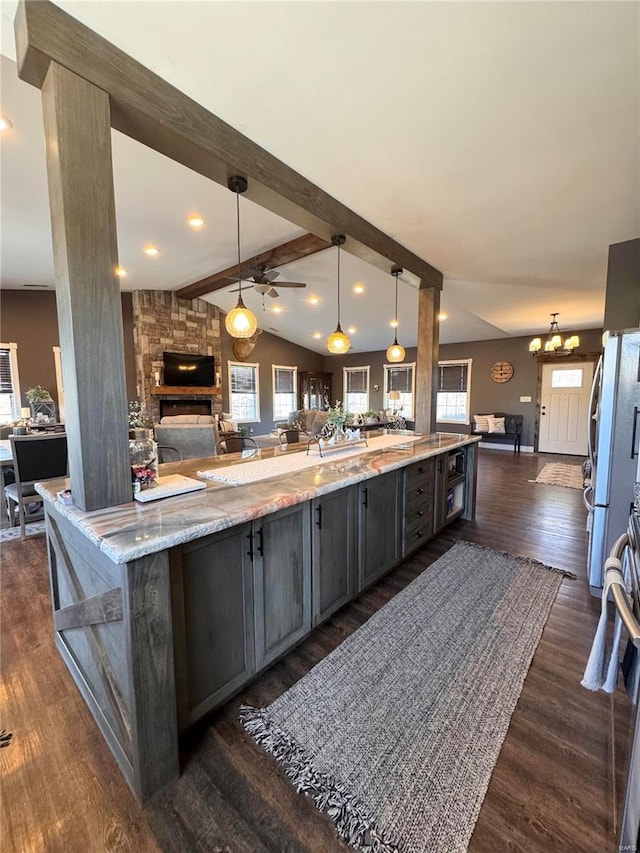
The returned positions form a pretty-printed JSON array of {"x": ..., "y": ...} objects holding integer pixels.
[{"x": 187, "y": 369}]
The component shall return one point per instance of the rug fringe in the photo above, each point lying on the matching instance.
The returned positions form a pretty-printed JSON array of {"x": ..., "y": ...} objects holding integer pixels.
[
  {"x": 527, "y": 561},
  {"x": 344, "y": 809}
]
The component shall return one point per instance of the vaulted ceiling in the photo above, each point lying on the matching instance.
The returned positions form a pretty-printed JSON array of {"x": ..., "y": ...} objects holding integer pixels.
[{"x": 499, "y": 141}]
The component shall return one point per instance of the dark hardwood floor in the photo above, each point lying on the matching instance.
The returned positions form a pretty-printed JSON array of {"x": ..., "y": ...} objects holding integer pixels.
[{"x": 550, "y": 789}]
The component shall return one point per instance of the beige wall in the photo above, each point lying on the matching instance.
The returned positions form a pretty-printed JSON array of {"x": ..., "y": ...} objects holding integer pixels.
[{"x": 31, "y": 320}]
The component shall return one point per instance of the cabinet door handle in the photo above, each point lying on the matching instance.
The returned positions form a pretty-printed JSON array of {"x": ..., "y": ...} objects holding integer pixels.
[
  {"x": 261, "y": 541},
  {"x": 319, "y": 518},
  {"x": 420, "y": 491},
  {"x": 419, "y": 534},
  {"x": 636, "y": 412},
  {"x": 420, "y": 470},
  {"x": 419, "y": 514},
  {"x": 250, "y": 551},
  {"x": 365, "y": 502}
]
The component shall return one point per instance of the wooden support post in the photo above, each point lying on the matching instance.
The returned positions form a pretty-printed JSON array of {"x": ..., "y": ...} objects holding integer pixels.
[
  {"x": 78, "y": 144},
  {"x": 427, "y": 358}
]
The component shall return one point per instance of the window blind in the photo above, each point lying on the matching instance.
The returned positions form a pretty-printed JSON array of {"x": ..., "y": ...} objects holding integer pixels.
[
  {"x": 284, "y": 380},
  {"x": 356, "y": 381},
  {"x": 400, "y": 379},
  {"x": 6, "y": 380},
  {"x": 243, "y": 380},
  {"x": 453, "y": 377}
]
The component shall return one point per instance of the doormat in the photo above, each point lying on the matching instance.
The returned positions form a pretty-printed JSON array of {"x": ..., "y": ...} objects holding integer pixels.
[
  {"x": 395, "y": 734},
  {"x": 561, "y": 474}
]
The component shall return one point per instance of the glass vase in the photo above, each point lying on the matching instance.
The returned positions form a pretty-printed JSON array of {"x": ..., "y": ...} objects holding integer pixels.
[{"x": 143, "y": 456}]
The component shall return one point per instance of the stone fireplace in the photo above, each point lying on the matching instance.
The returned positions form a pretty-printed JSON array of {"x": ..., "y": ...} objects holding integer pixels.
[{"x": 164, "y": 323}]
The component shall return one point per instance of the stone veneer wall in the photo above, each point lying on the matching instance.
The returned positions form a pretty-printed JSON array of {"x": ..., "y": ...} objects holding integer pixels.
[{"x": 162, "y": 322}]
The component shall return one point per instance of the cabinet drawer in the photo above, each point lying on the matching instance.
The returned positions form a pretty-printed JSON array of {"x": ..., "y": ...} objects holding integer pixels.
[
  {"x": 418, "y": 530},
  {"x": 420, "y": 475},
  {"x": 418, "y": 514},
  {"x": 418, "y": 499}
]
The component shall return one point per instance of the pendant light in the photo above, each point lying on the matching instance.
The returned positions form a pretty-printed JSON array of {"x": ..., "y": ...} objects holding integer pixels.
[
  {"x": 338, "y": 342},
  {"x": 239, "y": 322},
  {"x": 396, "y": 353},
  {"x": 554, "y": 345}
]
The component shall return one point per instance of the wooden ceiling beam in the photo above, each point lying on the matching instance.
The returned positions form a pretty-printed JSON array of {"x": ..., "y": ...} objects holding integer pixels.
[
  {"x": 294, "y": 250},
  {"x": 151, "y": 111}
]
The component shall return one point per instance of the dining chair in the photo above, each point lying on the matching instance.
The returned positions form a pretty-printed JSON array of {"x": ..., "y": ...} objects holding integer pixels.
[
  {"x": 35, "y": 458},
  {"x": 167, "y": 453},
  {"x": 236, "y": 444},
  {"x": 289, "y": 436}
]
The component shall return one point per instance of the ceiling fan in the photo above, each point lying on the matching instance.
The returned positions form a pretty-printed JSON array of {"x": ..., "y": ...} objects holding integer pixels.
[{"x": 263, "y": 279}]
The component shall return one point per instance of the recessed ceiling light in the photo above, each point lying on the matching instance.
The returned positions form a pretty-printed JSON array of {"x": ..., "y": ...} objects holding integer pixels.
[
  {"x": 151, "y": 251},
  {"x": 121, "y": 271},
  {"x": 314, "y": 300},
  {"x": 276, "y": 309},
  {"x": 358, "y": 288},
  {"x": 317, "y": 335},
  {"x": 442, "y": 315},
  {"x": 351, "y": 330},
  {"x": 394, "y": 324},
  {"x": 195, "y": 221},
  {"x": 5, "y": 124}
]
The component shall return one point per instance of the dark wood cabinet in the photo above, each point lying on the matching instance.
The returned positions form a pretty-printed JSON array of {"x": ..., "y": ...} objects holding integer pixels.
[
  {"x": 313, "y": 389},
  {"x": 333, "y": 544},
  {"x": 212, "y": 592},
  {"x": 419, "y": 501},
  {"x": 378, "y": 528},
  {"x": 282, "y": 581}
]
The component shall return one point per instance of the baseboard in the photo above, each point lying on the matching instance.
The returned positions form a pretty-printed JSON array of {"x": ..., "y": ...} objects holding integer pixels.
[{"x": 525, "y": 448}]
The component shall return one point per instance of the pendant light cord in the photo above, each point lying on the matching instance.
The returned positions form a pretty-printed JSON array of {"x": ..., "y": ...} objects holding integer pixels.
[
  {"x": 338, "y": 286},
  {"x": 238, "y": 242},
  {"x": 395, "y": 330}
]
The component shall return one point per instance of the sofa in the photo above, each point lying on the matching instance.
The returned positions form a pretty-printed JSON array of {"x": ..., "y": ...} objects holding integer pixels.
[
  {"x": 194, "y": 436},
  {"x": 308, "y": 421}
]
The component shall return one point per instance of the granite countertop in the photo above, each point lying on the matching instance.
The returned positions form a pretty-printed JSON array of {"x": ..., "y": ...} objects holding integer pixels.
[{"x": 132, "y": 530}]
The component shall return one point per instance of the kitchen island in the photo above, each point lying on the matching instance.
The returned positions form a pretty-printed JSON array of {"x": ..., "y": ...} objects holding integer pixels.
[{"x": 162, "y": 611}]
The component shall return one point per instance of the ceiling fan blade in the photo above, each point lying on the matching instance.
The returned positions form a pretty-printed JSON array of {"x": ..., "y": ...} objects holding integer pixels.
[
  {"x": 272, "y": 292},
  {"x": 291, "y": 284},
  {"x": 246, "y": 287}
]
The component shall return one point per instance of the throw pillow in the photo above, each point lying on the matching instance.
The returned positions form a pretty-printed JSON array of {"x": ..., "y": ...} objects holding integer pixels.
[
  {"x": 228, "y": 426},
  {"x": 496, "y": 425},
  {"x": 481, "y": 423}
]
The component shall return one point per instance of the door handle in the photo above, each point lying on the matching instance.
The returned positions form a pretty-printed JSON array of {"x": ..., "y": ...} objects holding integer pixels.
[
  {"x": 319, "y": 518},
  {"x": 420, "y": 491},
  {"x": 261, "y": 541},
  {"x": 365, "y": 502},
  {"x": 250, "y": 551}
]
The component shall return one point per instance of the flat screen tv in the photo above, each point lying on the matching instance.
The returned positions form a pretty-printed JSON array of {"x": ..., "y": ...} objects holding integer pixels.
[{"x": 186, "y": 369}]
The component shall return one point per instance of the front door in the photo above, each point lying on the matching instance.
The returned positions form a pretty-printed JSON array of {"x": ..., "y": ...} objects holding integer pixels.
[{"x": 564, "y": 407}]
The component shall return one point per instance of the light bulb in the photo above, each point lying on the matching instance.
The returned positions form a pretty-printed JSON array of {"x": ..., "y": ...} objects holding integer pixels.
[
  {"x": 338, "y": 342},
  {"x": 535, "y": 345},
  {"x": 240, "y": 322},
  {"x": 395, "y": 353}
]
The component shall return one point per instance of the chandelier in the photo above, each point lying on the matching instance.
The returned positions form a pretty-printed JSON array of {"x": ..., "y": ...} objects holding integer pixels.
[
  {"x": 240, "y": 321},
  {"x": 554, "y": 345},
  {"x": 338, "y": 342}
]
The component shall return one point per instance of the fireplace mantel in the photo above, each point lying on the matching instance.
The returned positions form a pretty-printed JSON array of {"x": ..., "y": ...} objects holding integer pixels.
[{"x": 185, "y": 391}]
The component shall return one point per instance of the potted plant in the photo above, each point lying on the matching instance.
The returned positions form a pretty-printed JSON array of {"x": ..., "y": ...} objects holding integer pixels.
[
  {"x": 42, "y": 407},
  {"x": 370, "y": 417}
]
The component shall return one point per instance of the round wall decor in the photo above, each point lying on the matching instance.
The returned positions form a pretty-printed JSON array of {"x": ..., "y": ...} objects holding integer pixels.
[{"x": 501, "y": 371}]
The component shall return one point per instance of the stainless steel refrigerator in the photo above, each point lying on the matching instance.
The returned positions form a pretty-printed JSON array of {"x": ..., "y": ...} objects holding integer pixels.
[{"x": 615, "y": 447}]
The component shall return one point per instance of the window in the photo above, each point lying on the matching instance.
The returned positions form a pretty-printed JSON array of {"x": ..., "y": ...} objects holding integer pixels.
[
  {"x": 285, "y": 382},
  {"x": 400, "y": 378},
  {"x": 9, "y": 384},
  {"x": 356, "y": 388},
  {"x": 563, "y": 378},
  {"x": 454, "y": 391},
  {"x": 244, "y": 398}
]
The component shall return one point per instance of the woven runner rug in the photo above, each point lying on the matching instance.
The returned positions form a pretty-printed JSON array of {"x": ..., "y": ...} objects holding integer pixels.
[
  {"x": 12, "y": 533},
  {"x": 395, "y": 734},
  {"x": 561, "y": 474}
]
